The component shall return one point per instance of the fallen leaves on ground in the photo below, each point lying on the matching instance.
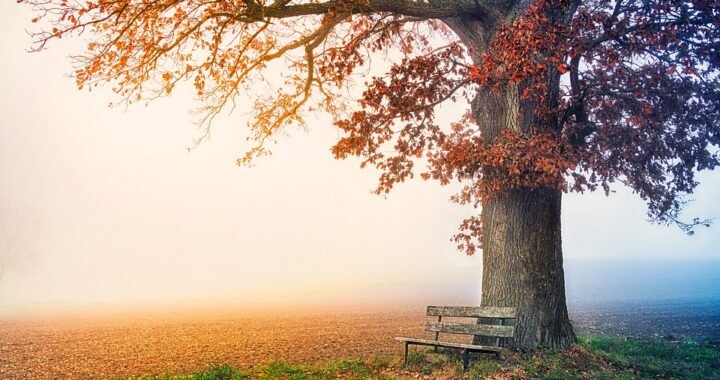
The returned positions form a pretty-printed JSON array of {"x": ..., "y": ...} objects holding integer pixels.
[{"x": 101, "y": 346}]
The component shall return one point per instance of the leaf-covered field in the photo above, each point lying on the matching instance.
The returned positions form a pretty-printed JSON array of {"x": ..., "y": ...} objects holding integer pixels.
[
  {"x": 591, "y": 358},
  {"x": 326, "y": 344},
  {"x": 101, "y": 346}
]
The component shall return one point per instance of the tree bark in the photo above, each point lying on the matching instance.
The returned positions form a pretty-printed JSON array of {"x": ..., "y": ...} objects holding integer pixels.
[
  {"x": 522, "y": 247},
  {"x": 523, "y": 265}
]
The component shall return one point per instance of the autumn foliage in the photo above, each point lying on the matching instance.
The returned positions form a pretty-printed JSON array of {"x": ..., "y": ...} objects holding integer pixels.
[{"x": 622, "y": 91}]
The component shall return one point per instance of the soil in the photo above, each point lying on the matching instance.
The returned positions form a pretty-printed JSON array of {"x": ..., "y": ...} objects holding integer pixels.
[
  {"x": 696, "y": 318},
  {"x": 98, "y": 345},
  {"x": 101, "y": 346}
]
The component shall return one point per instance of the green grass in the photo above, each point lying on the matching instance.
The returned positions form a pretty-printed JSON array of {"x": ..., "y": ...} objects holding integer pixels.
[
  {"x": 346, "y": 369},
  {"x": 591, "y": 358},
  {"x": 680, "y": 360},
  {"x": 430, "y": 361},
  {"x": 216, "y": 372},
  {"x": 614, "y": 358},
  {"x": 483, "y": 368}
]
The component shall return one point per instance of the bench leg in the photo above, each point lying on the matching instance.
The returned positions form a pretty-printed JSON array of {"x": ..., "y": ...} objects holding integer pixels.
[
  {"x": 405, "y": 352},
  {"x": 466, "y": 359}
]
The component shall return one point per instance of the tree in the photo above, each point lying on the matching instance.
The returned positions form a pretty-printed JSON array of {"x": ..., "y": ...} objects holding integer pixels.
[{"x": 564, "y": 95}]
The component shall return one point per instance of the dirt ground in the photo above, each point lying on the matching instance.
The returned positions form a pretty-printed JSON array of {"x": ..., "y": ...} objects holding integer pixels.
[
  {"x": 98, "y": 345},
  {"x": 670, "y": 319}
]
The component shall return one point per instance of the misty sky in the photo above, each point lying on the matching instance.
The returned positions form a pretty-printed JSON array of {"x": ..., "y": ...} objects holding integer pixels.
[{"x": 113, "y": 208}]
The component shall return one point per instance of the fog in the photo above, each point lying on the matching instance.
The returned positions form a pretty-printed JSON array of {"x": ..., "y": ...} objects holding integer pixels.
[{"x": 112, "y": 209}]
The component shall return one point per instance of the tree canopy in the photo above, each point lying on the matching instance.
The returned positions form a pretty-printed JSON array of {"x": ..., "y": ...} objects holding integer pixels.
[{"x": 637, "y": 100}]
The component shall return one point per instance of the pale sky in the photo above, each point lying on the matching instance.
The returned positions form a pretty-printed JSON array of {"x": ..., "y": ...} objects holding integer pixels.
[{"x": 115, "y": 209}]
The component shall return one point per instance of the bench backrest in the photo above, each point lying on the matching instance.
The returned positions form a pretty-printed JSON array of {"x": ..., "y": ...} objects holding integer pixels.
[{"x": 498, "y": 318}]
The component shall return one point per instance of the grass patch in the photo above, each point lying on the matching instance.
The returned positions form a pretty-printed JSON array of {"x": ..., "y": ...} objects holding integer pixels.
[
  {"x": 357, "y": 369},
  {"x": 343, "y": 369},
  {"x": 282, "y": 370},
  {"x": 439, "y": 362},
  {"x": 591, "y": 358},
  {"x": 615, "y": 358},
  {"x": 480, "y": 369},
  {"x": 681, "y": 360},
  {"x": 215, "y": 372}
]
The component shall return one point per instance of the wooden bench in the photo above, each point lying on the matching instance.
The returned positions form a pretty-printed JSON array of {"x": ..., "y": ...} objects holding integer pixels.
[{"x": 499, "y": 330}]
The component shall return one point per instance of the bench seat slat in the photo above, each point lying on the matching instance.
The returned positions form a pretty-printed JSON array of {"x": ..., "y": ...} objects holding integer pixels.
[
  {"x": 427, "y": 342},
  {"x": 471, "y": 312},
  {"x": 500, "y": 331}
]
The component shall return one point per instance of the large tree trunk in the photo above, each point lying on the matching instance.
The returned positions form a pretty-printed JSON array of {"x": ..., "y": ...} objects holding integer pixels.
[
  {"x": 523, "y": 266},
  {"x": 522, "y": 248}
]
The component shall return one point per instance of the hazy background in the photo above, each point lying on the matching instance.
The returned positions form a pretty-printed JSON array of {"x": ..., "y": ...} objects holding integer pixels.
[{"x": 107, "y": 206}]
